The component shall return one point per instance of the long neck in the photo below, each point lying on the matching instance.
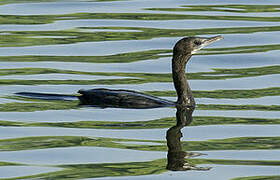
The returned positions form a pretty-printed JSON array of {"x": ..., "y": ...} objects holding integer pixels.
[{"x": 182, "y": 87}]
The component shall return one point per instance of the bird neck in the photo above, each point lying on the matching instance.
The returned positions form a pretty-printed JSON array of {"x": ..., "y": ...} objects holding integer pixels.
[{"x": 181, "y": 85}]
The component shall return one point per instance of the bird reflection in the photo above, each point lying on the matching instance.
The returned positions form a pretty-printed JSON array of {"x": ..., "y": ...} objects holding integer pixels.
[{"x": 176, "y": 157}]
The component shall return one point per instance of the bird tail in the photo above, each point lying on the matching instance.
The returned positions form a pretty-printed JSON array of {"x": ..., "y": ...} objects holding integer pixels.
[{"x": 47, "y": 96}]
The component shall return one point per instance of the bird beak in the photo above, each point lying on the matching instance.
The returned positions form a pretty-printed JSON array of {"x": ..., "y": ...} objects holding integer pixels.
[
  {"x": 211, "y": 40},
  {"x": 206, "y": 42}
]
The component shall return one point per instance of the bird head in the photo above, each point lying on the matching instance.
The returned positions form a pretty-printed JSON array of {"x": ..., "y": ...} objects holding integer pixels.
[{"x": 191, "y": 45}]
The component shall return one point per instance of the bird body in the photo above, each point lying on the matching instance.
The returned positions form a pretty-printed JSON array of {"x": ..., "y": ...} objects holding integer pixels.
[
  {"x": 182, "y": 52},
  {"x": 121, "y": 99}
]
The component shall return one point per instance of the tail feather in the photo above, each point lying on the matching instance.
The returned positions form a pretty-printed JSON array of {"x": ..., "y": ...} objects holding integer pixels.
[{"x": 47, "y": 96}]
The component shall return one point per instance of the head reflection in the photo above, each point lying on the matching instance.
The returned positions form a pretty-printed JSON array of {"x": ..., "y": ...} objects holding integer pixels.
[{"x": 176, "y": 157}]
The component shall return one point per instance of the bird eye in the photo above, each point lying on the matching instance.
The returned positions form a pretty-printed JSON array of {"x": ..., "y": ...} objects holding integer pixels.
[{"x": 197, "y": 43}]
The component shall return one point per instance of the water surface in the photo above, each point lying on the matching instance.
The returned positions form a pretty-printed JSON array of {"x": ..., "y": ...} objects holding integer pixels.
[{"x": 55, "y": 46}]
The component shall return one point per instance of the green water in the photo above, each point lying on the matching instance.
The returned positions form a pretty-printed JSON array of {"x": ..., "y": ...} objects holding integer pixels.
[{"x": 62, "y": 46}]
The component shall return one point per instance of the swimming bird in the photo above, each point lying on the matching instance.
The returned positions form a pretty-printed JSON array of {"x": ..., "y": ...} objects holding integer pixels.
[{"x": 182, "y": 52}]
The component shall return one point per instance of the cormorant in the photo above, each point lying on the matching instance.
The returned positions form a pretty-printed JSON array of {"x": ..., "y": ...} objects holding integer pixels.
[{"x": 182, "y": 52}]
